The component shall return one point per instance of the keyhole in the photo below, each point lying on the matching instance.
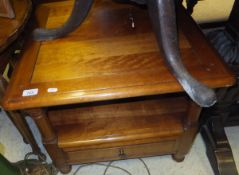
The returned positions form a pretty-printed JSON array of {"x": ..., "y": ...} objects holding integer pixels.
[
  {"x": 122, "y": 153},
  {"x": 131, "y": 19}
]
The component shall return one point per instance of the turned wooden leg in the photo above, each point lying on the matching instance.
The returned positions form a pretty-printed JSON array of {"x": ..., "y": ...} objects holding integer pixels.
[
  {"x": 191, "y": 128},
  {"x": 22, "y": 126},
  {"x": 49, "y": 139}
]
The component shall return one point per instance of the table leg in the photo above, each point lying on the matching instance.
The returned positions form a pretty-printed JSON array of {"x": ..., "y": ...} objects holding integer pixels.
[
  {"x": 49, "y": 139},
  {"x": 191, "y": 128},
  {"x": 22, "y": 126}
]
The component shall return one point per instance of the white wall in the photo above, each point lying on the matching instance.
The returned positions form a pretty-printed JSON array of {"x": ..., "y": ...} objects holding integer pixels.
[{"x": 212, "y": 10}]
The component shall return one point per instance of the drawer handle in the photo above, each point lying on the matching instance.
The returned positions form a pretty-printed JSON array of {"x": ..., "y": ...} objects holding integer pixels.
[{"x": 122, "y": 154}]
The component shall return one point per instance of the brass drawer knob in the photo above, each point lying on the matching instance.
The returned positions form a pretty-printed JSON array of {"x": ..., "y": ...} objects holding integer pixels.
[{"x": 122, "y": 154}]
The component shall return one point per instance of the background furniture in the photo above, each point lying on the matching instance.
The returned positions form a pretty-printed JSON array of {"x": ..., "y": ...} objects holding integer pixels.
[
  {"x": 12, "y": 39},
  {"x": 6, "y": 9},
  {"x": 104, "y": 91},
  {"x": 225, "y": 112}
]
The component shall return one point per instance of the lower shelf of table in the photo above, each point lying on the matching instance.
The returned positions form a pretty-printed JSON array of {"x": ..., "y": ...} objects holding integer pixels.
[{"x": 119, "y": 129}]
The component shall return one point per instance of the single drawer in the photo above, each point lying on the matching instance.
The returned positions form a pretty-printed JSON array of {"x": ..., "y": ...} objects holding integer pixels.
[{"x": 125, "y": 152}]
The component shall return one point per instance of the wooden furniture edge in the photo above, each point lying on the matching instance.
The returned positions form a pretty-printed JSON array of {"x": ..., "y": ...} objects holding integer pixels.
[
  {"x": 12, "y": 103},
  {"x": 15, "y": 34}
]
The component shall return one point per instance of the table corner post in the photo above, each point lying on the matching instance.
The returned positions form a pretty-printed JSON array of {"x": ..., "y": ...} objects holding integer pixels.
[
  {"x": 190, "y": 124},
  {"x": 49, "y": 138}
]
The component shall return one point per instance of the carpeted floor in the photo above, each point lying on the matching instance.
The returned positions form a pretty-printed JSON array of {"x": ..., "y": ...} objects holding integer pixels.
[{"x": 195, "y": 163}]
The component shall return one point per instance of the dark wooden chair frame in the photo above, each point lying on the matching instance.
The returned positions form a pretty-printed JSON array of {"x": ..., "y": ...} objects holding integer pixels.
[{"x": 216, "y": 118}]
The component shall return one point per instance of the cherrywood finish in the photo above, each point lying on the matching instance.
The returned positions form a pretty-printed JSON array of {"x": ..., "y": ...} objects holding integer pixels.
[
  {"x": 114, "y": 96},
  {"x": 190, "y": 127},
  {"x": 11, "y": 28},
  {"x": 134, "y": 121},
  {"x": 119, "y": 153},
  {"x": 6, "y": 9},
  {"x": 95, "y": 65},
  {"x": 49, "y": 138}
]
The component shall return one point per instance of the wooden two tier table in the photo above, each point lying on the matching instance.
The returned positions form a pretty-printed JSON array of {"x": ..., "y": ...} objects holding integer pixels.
[{"x": 104, "y": 92}]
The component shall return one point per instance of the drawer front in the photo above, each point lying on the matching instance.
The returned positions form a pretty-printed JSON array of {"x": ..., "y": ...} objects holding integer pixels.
[{"x": 117, "y": 153}]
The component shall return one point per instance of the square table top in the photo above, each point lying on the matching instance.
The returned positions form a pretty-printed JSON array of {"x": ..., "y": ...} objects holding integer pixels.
[{"x": 105, "y": 58}]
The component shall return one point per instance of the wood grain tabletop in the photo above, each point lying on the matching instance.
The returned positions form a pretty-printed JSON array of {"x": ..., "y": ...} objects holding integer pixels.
[{"x": 106, "y": 58}]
